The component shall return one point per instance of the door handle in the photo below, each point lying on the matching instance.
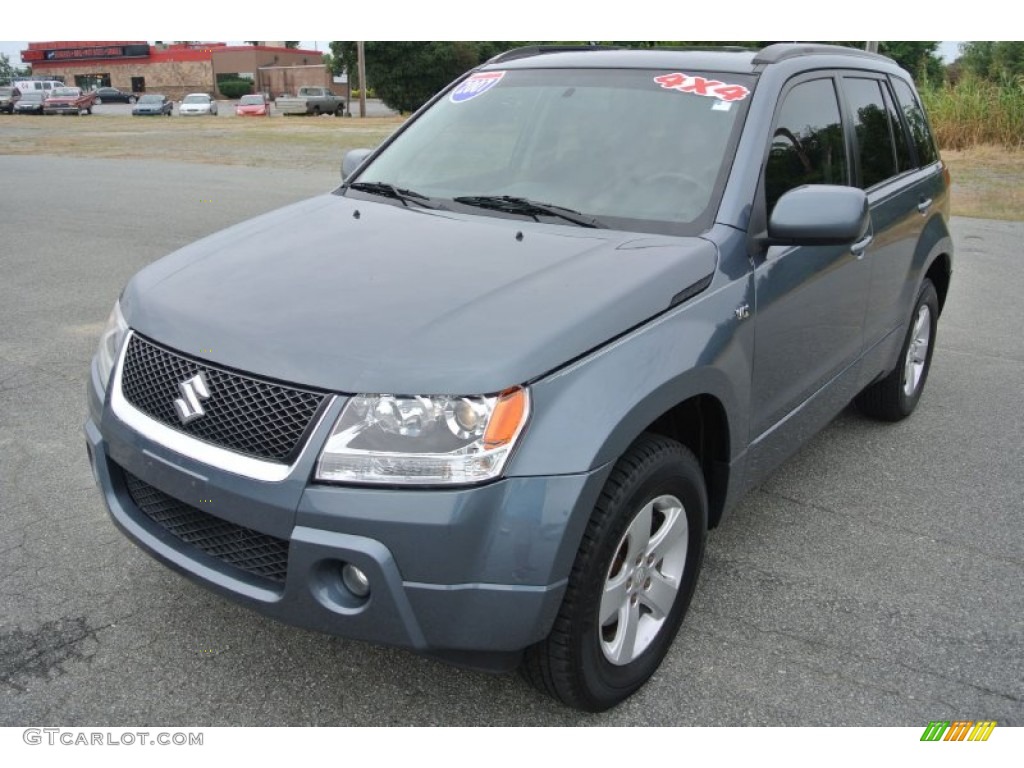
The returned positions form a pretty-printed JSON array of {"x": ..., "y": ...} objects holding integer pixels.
[
  {"x": 860, "y": 246},
  {"x": 924, "y": 205}
]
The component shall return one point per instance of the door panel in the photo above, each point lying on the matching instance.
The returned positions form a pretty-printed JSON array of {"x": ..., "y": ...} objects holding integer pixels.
[{"x": 810, "y": 300}]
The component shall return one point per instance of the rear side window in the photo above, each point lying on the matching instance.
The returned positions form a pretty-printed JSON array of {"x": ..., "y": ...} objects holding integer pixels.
[
  {"x": 919, "y": 132},
  {"x": 874, "y": 134},
  {"x": 807, "y": 143},
  {"x": 899, "y": 133}
]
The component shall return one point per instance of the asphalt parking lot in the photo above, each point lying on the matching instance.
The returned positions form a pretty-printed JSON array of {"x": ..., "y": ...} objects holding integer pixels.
[{"x": 876, "y": 579}]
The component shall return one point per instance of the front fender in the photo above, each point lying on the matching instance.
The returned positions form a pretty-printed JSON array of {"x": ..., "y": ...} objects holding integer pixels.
[{"x": 587, "y": 413}]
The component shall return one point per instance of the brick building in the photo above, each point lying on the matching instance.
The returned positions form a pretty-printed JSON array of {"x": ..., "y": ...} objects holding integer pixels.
[{"x": 176, "y": 69}]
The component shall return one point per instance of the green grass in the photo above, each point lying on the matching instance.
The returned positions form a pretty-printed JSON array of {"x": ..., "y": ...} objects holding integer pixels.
[{"x": 974, "y": 112}]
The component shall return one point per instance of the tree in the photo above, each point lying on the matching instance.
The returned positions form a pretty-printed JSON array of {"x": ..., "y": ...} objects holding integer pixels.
[
  {"x": 407, "y": 74},
  {"x": 343, "y": 59},
  {"x": 1003, "y": 60},
  {"x": 8, "y": 71},
  {"x": 918, "y": 57}
]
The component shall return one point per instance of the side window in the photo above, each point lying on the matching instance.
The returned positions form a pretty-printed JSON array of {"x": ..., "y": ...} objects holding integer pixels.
[
  {"x": 807, "y": 143},
  {"x": 899, "y": 133},
  {"x": 871, "y": 124},
  {"x": 919, "y": 132}
]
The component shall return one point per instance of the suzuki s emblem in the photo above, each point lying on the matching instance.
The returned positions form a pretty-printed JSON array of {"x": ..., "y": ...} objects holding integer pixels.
[{"x": 192, "y": 391}]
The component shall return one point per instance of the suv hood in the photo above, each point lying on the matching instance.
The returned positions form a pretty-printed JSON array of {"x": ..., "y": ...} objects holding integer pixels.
[{"x": 360, "y": 296}]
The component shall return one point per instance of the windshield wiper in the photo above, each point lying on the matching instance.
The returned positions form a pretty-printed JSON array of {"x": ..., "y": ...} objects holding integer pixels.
[
  {"x": 527, "y": 207},
  {"x": 404, "y": 196}
]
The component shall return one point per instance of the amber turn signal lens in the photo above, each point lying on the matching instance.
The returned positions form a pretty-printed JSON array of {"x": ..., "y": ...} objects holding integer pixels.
[{"x": 507, "y": 419}]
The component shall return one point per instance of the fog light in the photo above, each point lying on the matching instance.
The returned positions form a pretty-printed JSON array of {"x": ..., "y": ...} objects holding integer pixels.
[{"x": 355, "y": 580}]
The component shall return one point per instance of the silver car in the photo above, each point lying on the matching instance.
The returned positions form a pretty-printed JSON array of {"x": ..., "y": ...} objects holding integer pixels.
[
  {"x": 486, "y": 399},
  {"x": 198, "y": 104}
]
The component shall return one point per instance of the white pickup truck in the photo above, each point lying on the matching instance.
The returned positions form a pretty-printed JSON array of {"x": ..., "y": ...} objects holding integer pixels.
[{"x": 311, "y": 100}]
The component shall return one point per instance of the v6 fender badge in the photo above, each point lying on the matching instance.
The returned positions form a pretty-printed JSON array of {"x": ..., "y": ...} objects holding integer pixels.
[
  {"x": 701, "y": 86},
  {"x": 474, "y": 85}
]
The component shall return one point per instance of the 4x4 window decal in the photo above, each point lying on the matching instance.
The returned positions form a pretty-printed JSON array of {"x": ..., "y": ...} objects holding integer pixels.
[{"x": 701, "y": 86}]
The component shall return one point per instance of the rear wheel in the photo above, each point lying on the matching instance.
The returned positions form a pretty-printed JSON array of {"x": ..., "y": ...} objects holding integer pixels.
[
  {"x": 316, "y": 111},
  {"x": 632, "y": 580},
  {"x": 895, "y": 397}
]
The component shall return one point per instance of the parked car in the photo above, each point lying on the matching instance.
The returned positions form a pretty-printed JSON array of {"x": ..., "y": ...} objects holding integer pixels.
[
  {"x": 69, "y": 100},
  {"x": 197, "y": 104},
  {"x": 8, "y": 98},
  {"x": 588, "y": 298},
  {"x": 45, "y": 86},
  {"x": 254, "y": 104},
  {"x": 30, "y": 103},
  {"x": 311, "y": 101},
  {"x": 153, "y": 104},
  {"x": 114, "y": 96}
]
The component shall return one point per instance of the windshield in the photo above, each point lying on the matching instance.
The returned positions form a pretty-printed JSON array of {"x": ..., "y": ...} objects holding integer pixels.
[
  {"x": 64, "y": 92},
  {"x": 197, "y": 98},
  {"x": 151, "y": 99},
  {"x": 32, "y": 97},
  {"x": 251, "y": 100},
  {"x": 633, "y": 148}
]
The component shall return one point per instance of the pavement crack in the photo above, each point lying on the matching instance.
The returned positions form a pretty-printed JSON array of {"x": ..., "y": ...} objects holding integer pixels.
[
  {"x": 913, "y": 532},
  {"x": 42, "y": 652}
]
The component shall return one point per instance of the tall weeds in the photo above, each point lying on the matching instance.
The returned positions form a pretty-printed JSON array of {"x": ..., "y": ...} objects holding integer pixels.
[{"x": 976, "y": 112}]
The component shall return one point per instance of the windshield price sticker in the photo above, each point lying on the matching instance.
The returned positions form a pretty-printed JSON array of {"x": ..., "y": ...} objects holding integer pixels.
[
  {"x": 701, "y": 86},
  {"x": 474, "y": 85}
]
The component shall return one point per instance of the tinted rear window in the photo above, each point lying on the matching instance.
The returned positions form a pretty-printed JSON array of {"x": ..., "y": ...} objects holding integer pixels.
[{"x": 920, "y": 134}]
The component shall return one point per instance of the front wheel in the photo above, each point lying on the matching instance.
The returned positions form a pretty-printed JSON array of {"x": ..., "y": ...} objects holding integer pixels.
[
  {"x": 632, "y": 580},
  {"x": 895, "y": 397}
]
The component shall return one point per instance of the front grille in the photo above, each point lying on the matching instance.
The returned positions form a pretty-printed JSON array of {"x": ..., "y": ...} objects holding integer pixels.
[
  {"x": 255, "y": 553},
  {"x": 256, "y": 417}
]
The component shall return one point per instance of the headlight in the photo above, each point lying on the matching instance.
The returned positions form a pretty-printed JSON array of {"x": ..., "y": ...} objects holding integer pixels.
[
  {"x": 110, "y": 343},
  {"x": 439, "y": 440}
]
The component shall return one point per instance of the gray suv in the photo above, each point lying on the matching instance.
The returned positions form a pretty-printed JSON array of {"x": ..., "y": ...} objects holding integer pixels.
[{"x": 528, "y": 353}]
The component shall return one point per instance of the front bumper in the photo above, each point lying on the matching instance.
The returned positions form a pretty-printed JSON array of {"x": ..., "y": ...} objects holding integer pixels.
[
  {"x": 64, "y": 110},
  {"x": 471, "y": 575}
]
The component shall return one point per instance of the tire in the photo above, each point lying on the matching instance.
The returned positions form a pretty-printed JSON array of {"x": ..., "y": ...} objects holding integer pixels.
[
  {"x": 99, "y": 101},
  {"x": 316, "y": 111},
  {"x": 896, "y": 396},
  {"x": 653, "y": 504},
  {"x": 131, "y": 99},
  {"x": 340, "y": 111}
]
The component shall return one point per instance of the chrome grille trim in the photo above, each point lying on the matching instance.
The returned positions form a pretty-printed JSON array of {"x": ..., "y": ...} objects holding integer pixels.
[{"x": 200, "y": 450}]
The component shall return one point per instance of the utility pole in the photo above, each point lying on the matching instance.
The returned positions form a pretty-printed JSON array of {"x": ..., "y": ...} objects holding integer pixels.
[
  {"x": 871, "y": 46},
  {"x": 362, "y": 78}
]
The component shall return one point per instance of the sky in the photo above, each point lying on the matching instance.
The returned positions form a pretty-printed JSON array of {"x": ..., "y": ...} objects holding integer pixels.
[
  {"x": 522, "y": 20},
  {"x": 948, "y": 50}
]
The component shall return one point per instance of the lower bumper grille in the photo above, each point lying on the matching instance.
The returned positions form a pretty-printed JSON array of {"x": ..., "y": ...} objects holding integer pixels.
[{"x": 255, "y": 553}]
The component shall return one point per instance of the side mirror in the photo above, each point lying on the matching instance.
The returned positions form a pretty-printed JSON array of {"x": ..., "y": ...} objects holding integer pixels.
[
  {"x": 819, "y": 214},
  {"x": 352, "y": 160}
]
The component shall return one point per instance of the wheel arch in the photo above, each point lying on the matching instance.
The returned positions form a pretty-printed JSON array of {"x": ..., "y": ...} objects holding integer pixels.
[{"x": 940, "y": 272}]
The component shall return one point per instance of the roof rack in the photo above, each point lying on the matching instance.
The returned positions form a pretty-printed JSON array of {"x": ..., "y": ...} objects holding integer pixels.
[
  {"x": 536, "y": 50},
  {"x": 777, "y": 52}
]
